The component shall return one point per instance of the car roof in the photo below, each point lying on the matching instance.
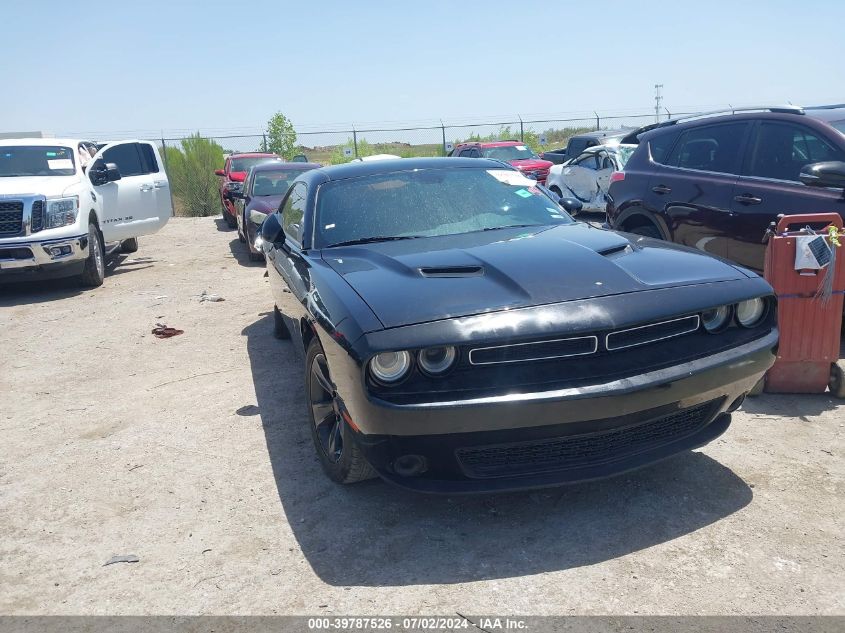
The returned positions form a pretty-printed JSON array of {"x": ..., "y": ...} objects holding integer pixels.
[
  {"x": 282, "y": 166},
  {"x": 827, "y": 113},
  {"x": 252, "y": 155},
  {"x": 368, "y": 168},
  {"x": 601, "y": 134},
  {"x": 65, "y": 142},
  {"x": 492, "y": 143}
]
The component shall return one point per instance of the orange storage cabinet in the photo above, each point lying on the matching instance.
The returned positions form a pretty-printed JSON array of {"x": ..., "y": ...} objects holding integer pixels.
[{"x": 810, "y": 328}]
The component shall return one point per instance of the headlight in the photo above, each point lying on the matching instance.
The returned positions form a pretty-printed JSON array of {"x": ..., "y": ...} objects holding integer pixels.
[
  {"x": 716, "y": 319},
  {"x": 750, "y": 313},
  {"x": 389, "y": 367},
  {"x": 61, "y": 212},
  {"x": 437, "y": 360}
]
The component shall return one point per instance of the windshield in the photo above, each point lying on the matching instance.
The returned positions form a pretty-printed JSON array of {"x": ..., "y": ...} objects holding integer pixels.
[
  {"x": 430, "y": 202},
  {"x": 36, "y": 160},
  {"x": 243, "y": 164},
  {"x": 623, "y": 153},
  {"x": 274, "y": 183},
  {"x": 508, "y": 152}
]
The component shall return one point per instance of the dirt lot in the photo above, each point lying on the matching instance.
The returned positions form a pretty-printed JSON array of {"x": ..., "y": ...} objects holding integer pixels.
[{"x": 193, "y": 453}]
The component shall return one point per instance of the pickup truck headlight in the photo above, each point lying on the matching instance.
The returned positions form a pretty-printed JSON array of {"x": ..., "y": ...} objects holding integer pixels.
[{"x": 61, "y": 212}]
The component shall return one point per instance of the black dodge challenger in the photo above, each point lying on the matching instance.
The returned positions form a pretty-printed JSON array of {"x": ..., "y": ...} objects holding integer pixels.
[{"x": 462, "y": 333}]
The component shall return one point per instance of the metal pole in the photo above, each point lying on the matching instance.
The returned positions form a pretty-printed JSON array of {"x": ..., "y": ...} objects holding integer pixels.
[
  {"x": 598, "y": 121},
  {"x": 668, "y": 114},
  {"x": 264, "y": 147},
  {"x": 521, "y": 130},
  {"x": 163, "y": 151},
  {"x": 355, "y": 140},
  {"x": 443, "y": 129}
]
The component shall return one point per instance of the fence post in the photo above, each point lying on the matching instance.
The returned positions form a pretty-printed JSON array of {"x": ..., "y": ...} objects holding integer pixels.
[
  {"x": 521, "y": 130},
  {"x": 598, "y": 121},
  {"x": 355, "y": 140},
  {"x": 264, "y": 147},
  {"x": 443, "y": 129},
  {"x": 163, "y": 151},
  {"x": 668, "y": 114}
]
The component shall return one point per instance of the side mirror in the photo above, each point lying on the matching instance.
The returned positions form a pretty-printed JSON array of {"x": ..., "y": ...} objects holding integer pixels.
[
  {"x": 102, "y": 173},
  {"x": 571, "y": 205},
  {"x": 271, "y": 229},
  {"x": 112, "y": 172},
  {"x": 826, "y": 174},
  {"x": 219, "y": 172},
  {"x": 257, "y": 217}
]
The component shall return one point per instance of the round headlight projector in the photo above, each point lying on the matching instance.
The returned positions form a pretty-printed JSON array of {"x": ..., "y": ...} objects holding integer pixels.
[
  {"x": 437, "y": 360},
  {"x": 715, "y": 319},
  {"x": 750, "y": 313},
  {"x": 390, "y": 366}
]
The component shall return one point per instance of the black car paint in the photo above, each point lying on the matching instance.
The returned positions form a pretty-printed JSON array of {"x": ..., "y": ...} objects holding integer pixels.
[{"x": 374, "y": 300}]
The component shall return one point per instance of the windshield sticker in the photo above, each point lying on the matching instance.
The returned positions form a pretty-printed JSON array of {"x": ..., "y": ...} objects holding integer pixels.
[
  {"x": 521, "y": 148},
  {"x": 60, "y": 163},
  {"x": 510, "y": 177},
  {"x": 329, "y": 226},
  {"x": 523, "y": 193}
]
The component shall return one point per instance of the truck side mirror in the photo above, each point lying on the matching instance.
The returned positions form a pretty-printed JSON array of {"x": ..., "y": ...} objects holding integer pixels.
[{"x": 219, "y": 172}]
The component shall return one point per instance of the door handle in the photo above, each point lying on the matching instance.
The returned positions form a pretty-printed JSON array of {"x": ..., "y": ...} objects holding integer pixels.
[
  {"x": 747, "y": 198},
  {"x": 160, "y": 184},
  {"x": 146, "y": 187},
  {"x": 661, "y": 189}
]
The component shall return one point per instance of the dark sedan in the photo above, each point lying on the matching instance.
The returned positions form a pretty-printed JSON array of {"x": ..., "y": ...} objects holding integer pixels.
[
  {"x": 462, "y": 333},
  {"x": 264, "y": 187}
]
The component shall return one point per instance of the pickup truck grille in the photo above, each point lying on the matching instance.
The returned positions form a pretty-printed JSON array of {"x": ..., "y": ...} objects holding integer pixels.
[
  {"x": 11, "y": 217},
  {"x": 36, "y": 222}
]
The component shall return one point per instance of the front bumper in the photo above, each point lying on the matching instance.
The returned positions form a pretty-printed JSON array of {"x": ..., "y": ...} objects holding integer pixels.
[
  {"x": 56, "y": 257},
  {"x": 552, "y": 438}
]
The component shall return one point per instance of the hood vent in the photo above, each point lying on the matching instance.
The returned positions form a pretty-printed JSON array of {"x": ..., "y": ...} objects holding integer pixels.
[
  {"x": 619, "y": 249},
  {"x": 452, "y": 271}
]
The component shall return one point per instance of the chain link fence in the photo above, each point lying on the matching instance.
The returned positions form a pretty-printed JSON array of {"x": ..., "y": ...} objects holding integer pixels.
[{"x": 192, "y": 160}]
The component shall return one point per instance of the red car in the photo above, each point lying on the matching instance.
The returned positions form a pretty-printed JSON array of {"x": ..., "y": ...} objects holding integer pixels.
[
  {"x": 516, "y": 153},
  {"x": 232, "y": 177}
]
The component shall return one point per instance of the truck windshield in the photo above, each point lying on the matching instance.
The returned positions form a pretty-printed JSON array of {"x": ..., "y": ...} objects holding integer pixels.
[
  {"x": 36, "y": 160},
  {"x": 508, "y": 152},
  {"x": 243, "y": 164}
]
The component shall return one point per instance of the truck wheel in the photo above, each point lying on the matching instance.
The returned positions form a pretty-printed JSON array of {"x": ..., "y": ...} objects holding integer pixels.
[
  {"x": 340, "y": 456},
  {"x": 280, "y": 328},
  {"x": 129, "y": 246},
  {"x": 95, "y": 265},
  {"x": 836, "y": 384}
]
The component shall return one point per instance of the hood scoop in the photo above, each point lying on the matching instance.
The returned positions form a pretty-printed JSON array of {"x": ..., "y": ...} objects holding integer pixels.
[
  {"x": 451, "y": 271},
  {"x": 616, "y": 250}
]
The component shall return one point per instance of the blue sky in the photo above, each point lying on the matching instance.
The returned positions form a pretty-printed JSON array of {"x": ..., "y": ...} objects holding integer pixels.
[{"x": 132, "y": 67}]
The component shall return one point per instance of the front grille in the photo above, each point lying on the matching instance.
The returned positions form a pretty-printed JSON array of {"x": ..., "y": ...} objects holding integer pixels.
[
  {"x": 11, "y": 217},
  {"x": 37, "y": 218},
  {"x": 651, "y": 333},
  {"x": 576, "y": 451},
  {"x": 540, "y": 350}
]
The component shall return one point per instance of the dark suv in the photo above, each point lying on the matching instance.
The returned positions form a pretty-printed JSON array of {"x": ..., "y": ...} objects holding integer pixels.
[{"x": 715, "y": 182}]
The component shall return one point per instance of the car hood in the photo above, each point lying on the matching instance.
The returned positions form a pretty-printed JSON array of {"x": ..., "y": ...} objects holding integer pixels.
[
  {"x": 426, "y": 279},
  {"x": 531, "y": 163},
  {"x": 36, "y": 185},
  {"x": 237, "y": 176}
]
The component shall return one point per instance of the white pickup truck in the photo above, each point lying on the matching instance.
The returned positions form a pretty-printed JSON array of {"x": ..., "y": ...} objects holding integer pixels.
[{"x": 66, "y": 204}]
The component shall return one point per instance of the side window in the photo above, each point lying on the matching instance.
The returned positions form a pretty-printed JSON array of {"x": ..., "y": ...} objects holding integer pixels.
[
  {"x": 148, "y": 158},
  {"x": 293, "y": 212},
  {"x": 474, "y": 153},
  {"x": 710, "y": 148},
  {"x": 660, "y": 146},
  {"x": 588, "y": 162},
  {"x": 126, "y": 157},
  {"x": 576, "y": 146},
  {"x": 465, "y": 153},
  {"x": 780, "y": 150}
]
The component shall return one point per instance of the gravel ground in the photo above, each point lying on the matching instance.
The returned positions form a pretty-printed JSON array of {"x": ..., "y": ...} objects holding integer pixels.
[{"x": 193, "y": 454}]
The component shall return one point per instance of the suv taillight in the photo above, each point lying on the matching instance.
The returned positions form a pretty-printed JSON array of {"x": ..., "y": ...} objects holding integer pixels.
[{"x": 617, "y": 176}]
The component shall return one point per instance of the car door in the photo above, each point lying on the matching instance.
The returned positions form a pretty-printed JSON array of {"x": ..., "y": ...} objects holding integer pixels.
[
  {"x": 128, "y": 204},
  {"x": 288, "y": 262},
  {"x": 580, "y": 176},
  {"x": 161, "y": 184},
  {"x": 769, "y": 185},
  {"x": 693, "y": 190}
]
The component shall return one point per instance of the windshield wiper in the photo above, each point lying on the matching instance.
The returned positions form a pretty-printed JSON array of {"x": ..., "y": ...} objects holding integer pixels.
[
  {"x": 512, "y": 226},
  {"x": 378, "y": 238}
]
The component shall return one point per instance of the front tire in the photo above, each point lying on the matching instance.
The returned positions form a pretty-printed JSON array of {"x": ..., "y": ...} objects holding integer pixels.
[
  {"x": 95, "y": 265},
  {"x": 339, "y": 454}
]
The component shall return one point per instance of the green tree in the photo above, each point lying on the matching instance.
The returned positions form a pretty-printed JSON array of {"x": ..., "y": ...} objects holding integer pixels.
[
  {"x": 190, "y": 169},
  {"x": 281, "y": 137}
]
